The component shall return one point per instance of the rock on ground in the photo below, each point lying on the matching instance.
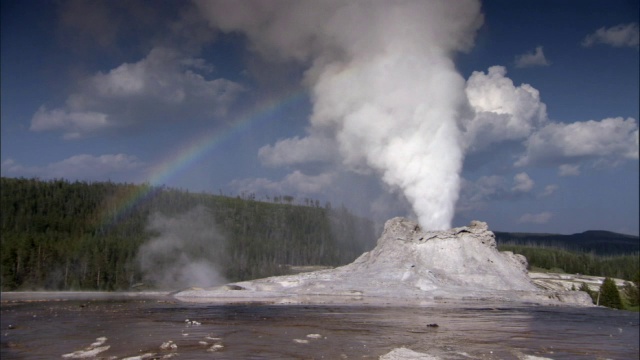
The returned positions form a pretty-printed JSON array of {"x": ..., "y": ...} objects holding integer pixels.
[{"x": 407, "y": 266}]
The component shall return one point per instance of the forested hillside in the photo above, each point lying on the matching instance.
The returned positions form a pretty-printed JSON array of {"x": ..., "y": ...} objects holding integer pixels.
[
  {"x": 59, "y": 235},
  {"x": 593, "y": 241},
  {"x": 598, "y": 253}
]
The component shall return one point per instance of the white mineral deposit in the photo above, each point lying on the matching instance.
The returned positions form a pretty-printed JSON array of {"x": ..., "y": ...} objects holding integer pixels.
[{"x": 408, "y": 266}]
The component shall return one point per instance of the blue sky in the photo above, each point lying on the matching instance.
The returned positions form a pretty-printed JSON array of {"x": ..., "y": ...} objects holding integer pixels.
[{"x": 523, "y": 114}]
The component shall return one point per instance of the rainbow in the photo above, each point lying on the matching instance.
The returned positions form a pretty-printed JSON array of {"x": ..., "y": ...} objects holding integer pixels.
[{"x": 116, "y": 208}]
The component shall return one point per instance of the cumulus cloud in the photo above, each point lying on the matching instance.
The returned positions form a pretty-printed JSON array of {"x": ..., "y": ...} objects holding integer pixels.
[
  {"x": 502, "y": 110},
  {"x": 535, "y": 58},
  {"x": 559, "y": 143},
  {"x": 296, "y": 151},
  {"x": 539, "y": 218},
  {"x": 622, "y": 35},
  {"x": 164, "y": 86},
  {"x": 82, "y": 167}
]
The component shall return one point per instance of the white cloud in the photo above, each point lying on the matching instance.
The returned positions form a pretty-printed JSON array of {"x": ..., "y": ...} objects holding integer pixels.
[
  {"x": 522, "y": 183},
  {"x": 502, "y": 110},
  {"x": 611, "y": 138},
  {"x": 548, "y": 190},
  {"x": 540, "y": 218},
  {"x": 81, "y": 167},
  {"x": 535, "y": 58},
  {"x": 622, "y": 35},
  {"x": 164, "y": 86},
  {"x": 569, "y": 170},
  {"x": 295, "y": 151}
]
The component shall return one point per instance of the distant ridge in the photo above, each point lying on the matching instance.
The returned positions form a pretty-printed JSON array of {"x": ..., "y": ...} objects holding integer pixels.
[{"x": 599, "y": 242}]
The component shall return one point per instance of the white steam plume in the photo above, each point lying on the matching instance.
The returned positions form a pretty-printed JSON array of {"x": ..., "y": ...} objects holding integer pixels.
[
  {"x": 185, "y": 253},
  {"x": 382, "y": 80}
]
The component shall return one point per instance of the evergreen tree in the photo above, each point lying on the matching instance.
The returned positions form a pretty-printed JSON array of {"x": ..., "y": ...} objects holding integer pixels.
[
  {"x": 632, "y": 294},
  {"x": 609, "y": 295}
]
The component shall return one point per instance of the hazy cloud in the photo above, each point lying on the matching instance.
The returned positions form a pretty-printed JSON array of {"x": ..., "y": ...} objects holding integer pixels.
[
  {"x": 569, "y": 170},
  {"x": 540, "y": 218},
  {"x": 75, "y": 124},
  {"x": 549, "y": 190},
  {"x": 164, "y": 86},
  {"x": 296, "y": 183},
  {"x": 535, "y": 58},
  {"x": 120, "y": 28},
  {"x": 88, "y": 23},
  {"x": 83, "y": 167},
  {"x": 296, "y": 150},
  {"x": 612, "y": 138},
  {"x": 522, "y": 183},
  {"x": 502, "y": 110},
  {"x": 475, "y": 194},
  {"x": 622, "y": 35}
]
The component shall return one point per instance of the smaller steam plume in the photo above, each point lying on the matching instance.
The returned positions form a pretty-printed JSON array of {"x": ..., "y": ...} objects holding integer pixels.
[{"x": 186, "y": 252}]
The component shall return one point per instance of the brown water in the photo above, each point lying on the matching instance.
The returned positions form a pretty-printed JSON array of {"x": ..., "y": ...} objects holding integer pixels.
[{"x": 48, "y": 329}]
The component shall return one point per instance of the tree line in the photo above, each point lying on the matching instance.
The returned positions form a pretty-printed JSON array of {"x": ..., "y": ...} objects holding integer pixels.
[
  {"x": 61, "y": 235},
  {"x": 573, "y": 262}
]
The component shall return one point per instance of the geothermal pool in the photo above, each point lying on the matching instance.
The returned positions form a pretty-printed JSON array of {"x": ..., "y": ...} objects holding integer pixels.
[{"x": 44, "y": 326}]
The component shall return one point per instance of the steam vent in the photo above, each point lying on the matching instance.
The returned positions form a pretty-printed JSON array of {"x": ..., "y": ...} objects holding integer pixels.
[{"x": 408, "y": 266}]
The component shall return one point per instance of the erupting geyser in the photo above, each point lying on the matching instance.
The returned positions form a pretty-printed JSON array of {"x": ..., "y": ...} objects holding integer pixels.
[{"x": 383, "y": 83}]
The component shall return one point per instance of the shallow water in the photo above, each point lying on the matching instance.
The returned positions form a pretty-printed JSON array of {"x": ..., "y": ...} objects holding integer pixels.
[{"x": 46, "y": 329}]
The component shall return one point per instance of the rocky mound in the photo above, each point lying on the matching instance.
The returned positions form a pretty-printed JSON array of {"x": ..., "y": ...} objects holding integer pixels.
[{"x": 408, "y": 266}]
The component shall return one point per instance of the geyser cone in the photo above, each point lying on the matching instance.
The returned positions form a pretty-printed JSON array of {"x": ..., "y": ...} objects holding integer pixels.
[{"x": 408, "y": 265}]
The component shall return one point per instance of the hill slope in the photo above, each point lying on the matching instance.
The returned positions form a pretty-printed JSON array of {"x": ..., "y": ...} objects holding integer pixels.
[{"x": 58, "y": 235}]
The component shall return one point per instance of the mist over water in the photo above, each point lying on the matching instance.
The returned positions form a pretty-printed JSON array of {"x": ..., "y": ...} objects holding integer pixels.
[
  {"x": 187, "y": 251},
  {"x": 383, "y": 84}
]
